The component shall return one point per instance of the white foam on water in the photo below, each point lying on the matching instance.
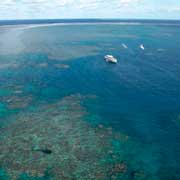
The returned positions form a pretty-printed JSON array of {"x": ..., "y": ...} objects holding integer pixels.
[
  {"x": 32, "y": 26},
  {"x": 160, "y": 50}
]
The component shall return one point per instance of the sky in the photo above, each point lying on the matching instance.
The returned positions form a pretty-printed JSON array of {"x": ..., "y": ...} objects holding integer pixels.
[{"x": 62, "y": 9}]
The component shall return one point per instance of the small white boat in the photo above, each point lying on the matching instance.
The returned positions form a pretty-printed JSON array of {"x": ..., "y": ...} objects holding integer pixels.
[
  {"x": 110, "y": 59},
  {"x": 124, "y": 46},
  {"x": 142, "y": 47}
]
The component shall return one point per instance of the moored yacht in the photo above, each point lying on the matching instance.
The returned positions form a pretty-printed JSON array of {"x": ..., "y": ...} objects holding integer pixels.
[{"x": 110, "y": 59}]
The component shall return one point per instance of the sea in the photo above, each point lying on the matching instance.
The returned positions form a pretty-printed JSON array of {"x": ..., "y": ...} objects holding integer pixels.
[{"x": 67, "y": 114}]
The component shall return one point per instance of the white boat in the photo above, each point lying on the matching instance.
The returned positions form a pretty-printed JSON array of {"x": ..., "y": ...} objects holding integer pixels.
[
  {"x": 142, "y": 47},
  {"x": 110, "y": 59},
  {"x": 124, "y": 46}
]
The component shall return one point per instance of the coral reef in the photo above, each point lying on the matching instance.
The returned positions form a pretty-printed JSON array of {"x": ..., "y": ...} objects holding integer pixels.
[
  {"x": 72, "y": 148},
  {"x": 16, "y": 102}
]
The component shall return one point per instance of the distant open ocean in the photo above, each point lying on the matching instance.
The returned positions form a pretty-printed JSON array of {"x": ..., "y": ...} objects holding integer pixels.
[
  {"x": 67, "y": 114},
  {"x": 126, "y": 21}
]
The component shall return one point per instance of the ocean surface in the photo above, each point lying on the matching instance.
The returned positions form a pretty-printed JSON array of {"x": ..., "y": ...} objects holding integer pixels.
[{"x": 67, "y": 114}]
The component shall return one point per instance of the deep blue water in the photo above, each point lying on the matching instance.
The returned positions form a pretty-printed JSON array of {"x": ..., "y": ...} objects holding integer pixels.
[
  {"x": 52, "y": 21},
  {"x": 139, "y": 96}
]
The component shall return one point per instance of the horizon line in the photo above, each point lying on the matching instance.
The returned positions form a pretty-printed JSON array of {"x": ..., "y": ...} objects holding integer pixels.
[{"x": 101, "y": 19}]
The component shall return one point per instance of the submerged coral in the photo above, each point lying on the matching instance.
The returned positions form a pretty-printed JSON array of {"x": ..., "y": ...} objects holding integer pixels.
[
  {"x": 62, "y": 66},
  {"x": 43, "y": 65},
  {"x": 16, "y": 102},
  {"x": 56, "y": 139}
]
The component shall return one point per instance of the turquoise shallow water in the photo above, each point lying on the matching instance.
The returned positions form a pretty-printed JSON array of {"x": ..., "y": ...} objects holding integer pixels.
[{"x": 138, "y": 97}]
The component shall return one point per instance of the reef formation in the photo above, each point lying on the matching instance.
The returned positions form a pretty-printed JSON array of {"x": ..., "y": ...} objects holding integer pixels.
[{"x": 55, "y": 142}]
